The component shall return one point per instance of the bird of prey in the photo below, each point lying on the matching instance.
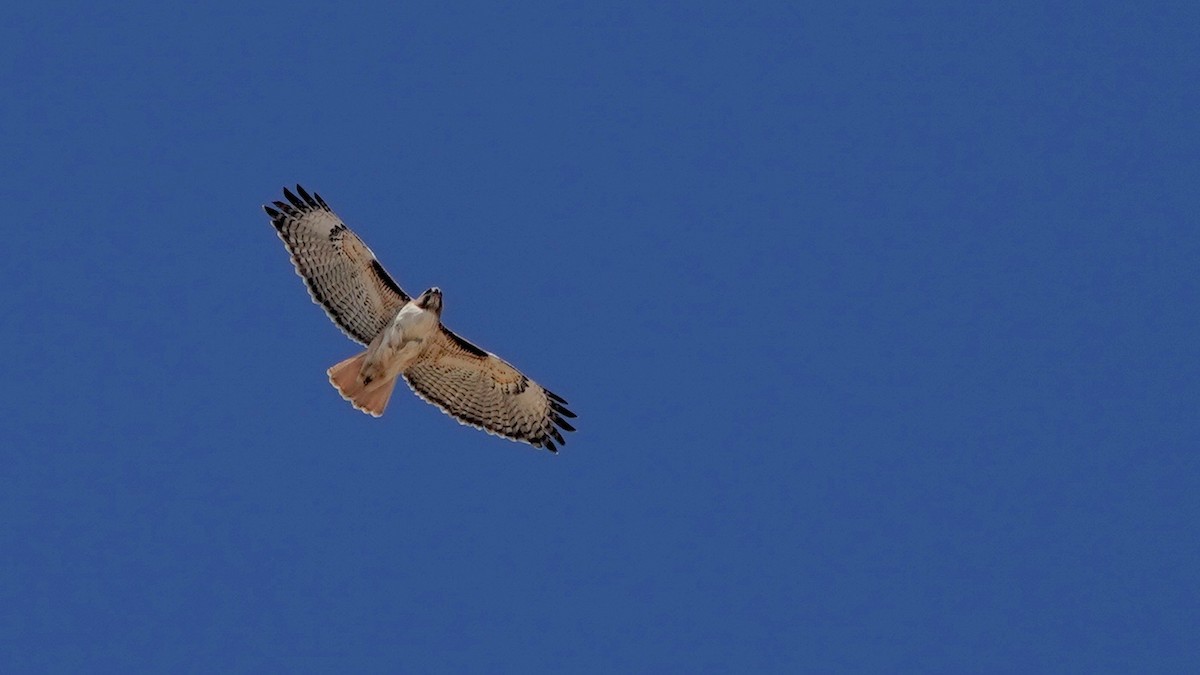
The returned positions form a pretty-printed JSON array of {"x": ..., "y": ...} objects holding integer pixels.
[{"x": 405, "y": 337}]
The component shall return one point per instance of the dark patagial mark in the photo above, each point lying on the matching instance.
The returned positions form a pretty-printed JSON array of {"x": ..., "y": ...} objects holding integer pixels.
[
  {"x": 464, "y": 345},
  {"x": 386, "y": 279}
]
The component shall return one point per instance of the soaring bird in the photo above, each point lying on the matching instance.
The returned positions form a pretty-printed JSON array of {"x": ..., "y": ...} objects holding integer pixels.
[{"x": 405, "y": 337}]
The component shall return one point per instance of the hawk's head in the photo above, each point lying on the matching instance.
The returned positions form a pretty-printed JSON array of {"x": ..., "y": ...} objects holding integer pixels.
[{"x": 431, "y": 300}]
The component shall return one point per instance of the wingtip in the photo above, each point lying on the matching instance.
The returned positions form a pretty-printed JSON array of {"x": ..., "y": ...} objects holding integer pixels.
[
  {"x": 296, "y": 201},
  {"x": 301, "y": 200},
  {"x": 308, "y": 199}
]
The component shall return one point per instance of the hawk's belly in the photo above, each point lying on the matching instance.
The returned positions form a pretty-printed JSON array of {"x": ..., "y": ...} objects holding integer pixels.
[{"x": 398, "y": 344}]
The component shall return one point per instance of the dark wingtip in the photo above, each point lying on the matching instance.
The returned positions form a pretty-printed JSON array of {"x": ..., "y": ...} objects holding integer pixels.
[
  {"x": 563, "y": 423},
  {"x": 555, "y": 396},
  {"x": 271, "y": 212},
  {"x": 306, "y": 197},
  {"x": 296, "y": 201}
]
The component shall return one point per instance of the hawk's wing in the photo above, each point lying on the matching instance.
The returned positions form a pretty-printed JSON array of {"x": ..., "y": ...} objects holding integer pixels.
[
  {"x": 342, "y": 274},
  {"x": 481, "y": 390}
]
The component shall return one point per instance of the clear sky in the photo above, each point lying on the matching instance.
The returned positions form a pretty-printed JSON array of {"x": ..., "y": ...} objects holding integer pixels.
[{"x": 880, "y": 321}]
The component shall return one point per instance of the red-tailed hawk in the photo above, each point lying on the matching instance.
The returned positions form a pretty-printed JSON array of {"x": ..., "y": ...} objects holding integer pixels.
[{"x": 405, "y": 336}]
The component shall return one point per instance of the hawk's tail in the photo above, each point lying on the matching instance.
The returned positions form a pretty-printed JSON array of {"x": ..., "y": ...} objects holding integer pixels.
[{"x": 371, "y": 399}]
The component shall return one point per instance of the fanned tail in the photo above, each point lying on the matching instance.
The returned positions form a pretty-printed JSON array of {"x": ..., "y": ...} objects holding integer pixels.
[{"x": 371, "y": 399}]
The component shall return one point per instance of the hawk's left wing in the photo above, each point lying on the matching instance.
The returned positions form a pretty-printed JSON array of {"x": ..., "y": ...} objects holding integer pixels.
[
  {"x": 481, "y": 390},
  {"x": 342, "y": 274}
]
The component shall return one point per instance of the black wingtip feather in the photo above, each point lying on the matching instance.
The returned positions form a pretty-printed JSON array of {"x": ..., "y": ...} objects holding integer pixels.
[
  {"x": 308, "y": 199},
  {"x": 296, "y": 201}
]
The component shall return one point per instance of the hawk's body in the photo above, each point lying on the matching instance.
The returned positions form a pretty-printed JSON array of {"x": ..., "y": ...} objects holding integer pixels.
[{"x": 405, "y": 336}]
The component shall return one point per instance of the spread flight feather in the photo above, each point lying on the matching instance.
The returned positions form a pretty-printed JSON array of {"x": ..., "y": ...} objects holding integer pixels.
[{"x": 404, "y": 335}]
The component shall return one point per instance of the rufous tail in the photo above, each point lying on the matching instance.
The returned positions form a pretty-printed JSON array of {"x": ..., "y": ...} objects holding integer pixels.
[{"x": 369, "y": 398}]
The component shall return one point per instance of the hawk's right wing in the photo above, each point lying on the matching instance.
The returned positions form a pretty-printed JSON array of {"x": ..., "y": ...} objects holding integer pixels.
[
  {"x": 481, "y": 390},
  {"x": 342, "y": 274}
]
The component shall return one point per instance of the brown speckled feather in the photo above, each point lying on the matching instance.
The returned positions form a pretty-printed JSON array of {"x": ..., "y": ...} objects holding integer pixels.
[
  {"x": 481, "y": 390},
  {"x": 341, "y": 273},
  {"x": 473, "y": 386}
]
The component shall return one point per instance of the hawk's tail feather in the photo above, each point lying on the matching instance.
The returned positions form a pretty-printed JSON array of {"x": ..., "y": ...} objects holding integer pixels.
[{"x": 371, "y": 399}]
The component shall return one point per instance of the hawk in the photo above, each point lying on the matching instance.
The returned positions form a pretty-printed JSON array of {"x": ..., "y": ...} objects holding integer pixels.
[{"x": 405, "y": 337}]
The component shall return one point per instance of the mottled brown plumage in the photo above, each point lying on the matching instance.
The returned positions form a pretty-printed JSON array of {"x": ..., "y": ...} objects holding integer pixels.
[{"x": 405, "y": 337}]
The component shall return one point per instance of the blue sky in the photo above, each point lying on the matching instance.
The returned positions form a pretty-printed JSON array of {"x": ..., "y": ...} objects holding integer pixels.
[{"x": 880, "y": 321}]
